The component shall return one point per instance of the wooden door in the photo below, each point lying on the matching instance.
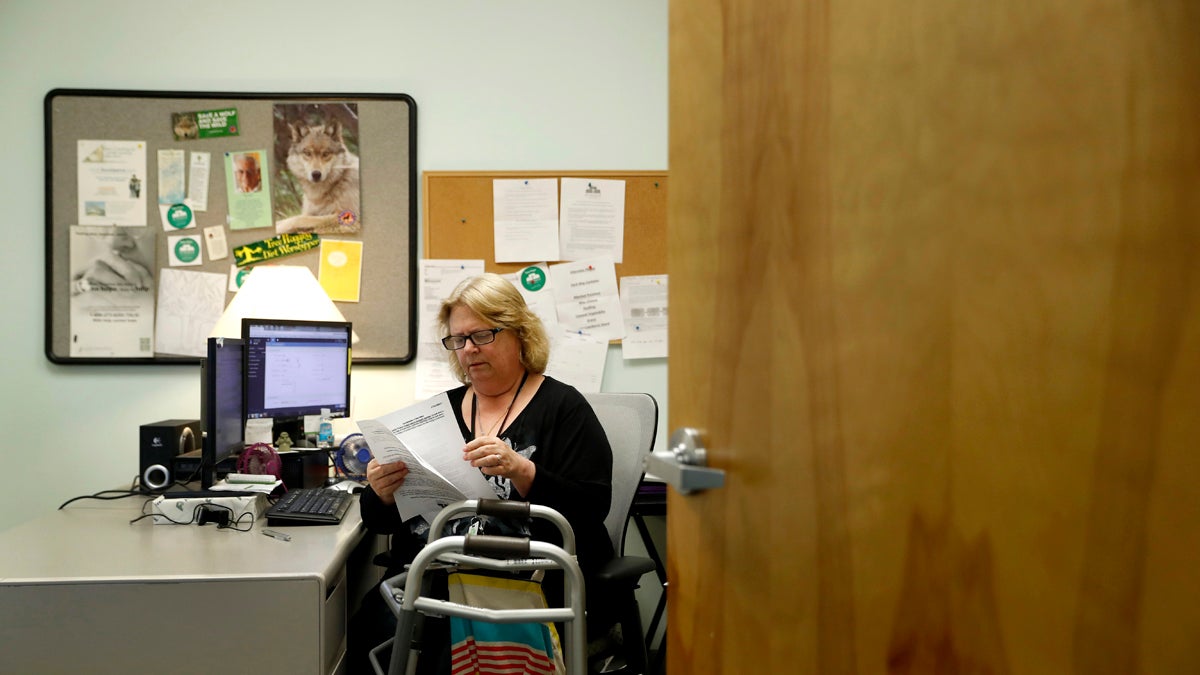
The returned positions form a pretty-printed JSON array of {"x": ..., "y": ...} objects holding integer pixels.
[{"x": 934, "y": 298}]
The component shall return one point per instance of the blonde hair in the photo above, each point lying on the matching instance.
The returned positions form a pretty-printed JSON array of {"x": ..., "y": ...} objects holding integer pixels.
[{"x": 499, "y": 303}]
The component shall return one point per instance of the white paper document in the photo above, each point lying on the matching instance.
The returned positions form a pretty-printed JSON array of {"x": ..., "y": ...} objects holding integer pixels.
[
  {"x": 644, "y": 305},
  {"x": 593, "y": 219},
  {"x": 577, "y": 359},
  {"x": 534, "y": 284},
  {"x": 112, "y": 291},
  {"x": 437, "y": 279},
  {"x": 189, "y": 305},
  {"x": 265, "y": 488},
  {"x": 425, "y": 436},
  {"x": 585, "y": 292},
  {"x": 111, "y": 175},
  {"x": 171, "y": 189},
  {"x": 197, "y": 193},
  {"x": 525, "y": 217}
]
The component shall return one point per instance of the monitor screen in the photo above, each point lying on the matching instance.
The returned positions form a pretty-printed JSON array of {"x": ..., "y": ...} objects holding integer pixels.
[
  {"x": 294, "y": 369},
  {"x": 221, "y": 409}
]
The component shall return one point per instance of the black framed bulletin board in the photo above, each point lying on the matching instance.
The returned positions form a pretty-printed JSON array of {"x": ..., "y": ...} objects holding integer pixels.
[{"x": 158, "y": 203}]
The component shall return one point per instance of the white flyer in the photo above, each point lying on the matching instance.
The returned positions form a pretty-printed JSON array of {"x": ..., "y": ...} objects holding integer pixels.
[
  {"x": 437, "y": 279},
  {"x": 189, "y": 305},
  {"x": 171, "y": 189},
  {"x": 525, "y": 219},
  {"x": 592, "y": 222},
  {"x": 644, "y": 306},
  {"x": 199, "y": 170},
  {"x": 112, "y": 291},
  {"x": 111, "y": 175},
  {"x": 585, "y": 292}
]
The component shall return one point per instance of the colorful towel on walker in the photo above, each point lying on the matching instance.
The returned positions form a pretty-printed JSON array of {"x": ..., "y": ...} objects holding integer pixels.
[{"x": 482, "y": 648}]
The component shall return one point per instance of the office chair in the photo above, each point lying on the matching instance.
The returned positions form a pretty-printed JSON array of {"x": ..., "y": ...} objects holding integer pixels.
[{"x": 630, "y": 421}]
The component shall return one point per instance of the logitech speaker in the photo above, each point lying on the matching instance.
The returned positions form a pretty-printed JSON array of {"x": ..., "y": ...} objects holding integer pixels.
[{"x": 160, "y": 443}]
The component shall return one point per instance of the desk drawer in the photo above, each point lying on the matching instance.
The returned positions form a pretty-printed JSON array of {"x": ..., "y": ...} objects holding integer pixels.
[{"x": 333, "y": 621}]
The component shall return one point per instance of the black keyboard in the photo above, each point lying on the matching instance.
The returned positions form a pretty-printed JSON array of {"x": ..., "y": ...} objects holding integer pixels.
[{"x": 310, "y": 506}]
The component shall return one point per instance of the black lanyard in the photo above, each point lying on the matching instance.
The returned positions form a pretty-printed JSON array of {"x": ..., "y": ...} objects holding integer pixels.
[{"x": 475, "y": 408}]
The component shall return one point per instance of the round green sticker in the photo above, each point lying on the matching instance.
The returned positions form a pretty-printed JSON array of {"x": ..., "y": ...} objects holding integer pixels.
[
  {"x": 179, "y": 216},
  {"x": 533, "y": 278},
  {"x": 240, "y": 277},
  {"x": 187, "y": 250}
]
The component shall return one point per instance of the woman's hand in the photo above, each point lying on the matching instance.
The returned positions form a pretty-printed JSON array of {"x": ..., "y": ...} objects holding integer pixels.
[
  {"x": 385, "y": 479},
  {"x": 493, "y": 457}
]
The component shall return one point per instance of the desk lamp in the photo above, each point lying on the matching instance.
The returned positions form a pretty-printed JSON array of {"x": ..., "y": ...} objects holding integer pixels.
[{"x": 278, "y": 292}]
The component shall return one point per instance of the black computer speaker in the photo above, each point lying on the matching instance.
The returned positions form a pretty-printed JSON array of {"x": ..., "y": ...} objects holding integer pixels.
[{"x": 159, "y": 444}]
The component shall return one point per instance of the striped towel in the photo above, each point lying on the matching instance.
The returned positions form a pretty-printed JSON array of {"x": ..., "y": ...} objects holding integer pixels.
[{"x": 482, "y": 648}]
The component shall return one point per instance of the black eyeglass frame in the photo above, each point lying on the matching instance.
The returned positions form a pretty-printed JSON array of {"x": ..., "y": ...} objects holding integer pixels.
[{"x": 478, "y": 338}]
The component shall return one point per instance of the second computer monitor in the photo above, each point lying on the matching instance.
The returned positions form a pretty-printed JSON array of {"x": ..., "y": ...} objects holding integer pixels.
[
  {"x": 221, "y": 408},
  {"x": 294, "y": 369}
]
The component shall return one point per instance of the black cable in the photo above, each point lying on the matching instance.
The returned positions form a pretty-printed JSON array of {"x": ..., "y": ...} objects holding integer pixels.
[
  {"x": 119, "y": 494},
  {"x": 230, "y": 523}
]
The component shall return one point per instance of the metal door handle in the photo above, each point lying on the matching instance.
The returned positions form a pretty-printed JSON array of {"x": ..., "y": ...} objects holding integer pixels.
[{"x": 683, "y": 466}]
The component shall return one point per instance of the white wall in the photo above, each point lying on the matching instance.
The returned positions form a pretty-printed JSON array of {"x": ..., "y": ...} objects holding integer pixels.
[{"x": 520, "y": 84}]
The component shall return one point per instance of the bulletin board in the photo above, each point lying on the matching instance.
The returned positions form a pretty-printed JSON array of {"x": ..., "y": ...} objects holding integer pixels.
[
  {"x": 458, "y": 221},
  {"x": 94, "y": 137}
]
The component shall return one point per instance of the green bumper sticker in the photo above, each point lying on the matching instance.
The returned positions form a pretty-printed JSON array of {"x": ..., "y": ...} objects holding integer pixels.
[
  {"x": 275, "y": 247},
  {"x": 205, "y": 124}
]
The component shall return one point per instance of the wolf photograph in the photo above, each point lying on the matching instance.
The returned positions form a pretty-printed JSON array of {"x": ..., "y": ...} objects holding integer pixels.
[{"x": 317, "y": 179}]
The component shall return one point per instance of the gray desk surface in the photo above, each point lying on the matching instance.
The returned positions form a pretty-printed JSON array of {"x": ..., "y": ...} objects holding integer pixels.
[
  {"x": 84, "y": 590},
  {"x": 92, "y": 540}
]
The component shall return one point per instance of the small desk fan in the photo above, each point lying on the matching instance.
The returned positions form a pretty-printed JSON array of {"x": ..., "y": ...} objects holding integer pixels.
[
  {"x": 352, "y": 457},
  {"x": 260, "y": 459}
]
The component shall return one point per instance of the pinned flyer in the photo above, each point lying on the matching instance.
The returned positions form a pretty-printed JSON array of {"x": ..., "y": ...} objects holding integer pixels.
[
  {"x": 248, "y": 189},
  {"x": 585, "y": 292},
  {"x": 237, "y": 277},
  {"x": 577, "y": 358},
  {"x": 184, "y": 250},
  {"x": 198, "y": 173},
  {"x": 110, "y": 180},
  {"x": 534, "y": 284},
  {"x": 592, "y": 222},
  {"x": 214, "y": 239},
  {"x": 177, "y": 217},
  {"x": 171, "y": 189},
  {"x": 340, "y": 273},
  {"x": 525, "y": 219},
  {"x": 644, "y": 305}
]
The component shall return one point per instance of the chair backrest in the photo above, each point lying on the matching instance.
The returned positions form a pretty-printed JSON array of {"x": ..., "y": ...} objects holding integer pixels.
[{"x": 630, "y": 421}]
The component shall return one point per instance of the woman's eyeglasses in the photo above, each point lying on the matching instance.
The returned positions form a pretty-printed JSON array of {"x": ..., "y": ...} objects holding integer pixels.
[{"x": 479, "y": 337}]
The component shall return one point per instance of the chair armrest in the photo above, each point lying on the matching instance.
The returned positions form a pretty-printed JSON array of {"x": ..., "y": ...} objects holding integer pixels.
[{"x": 627, "y": 568}]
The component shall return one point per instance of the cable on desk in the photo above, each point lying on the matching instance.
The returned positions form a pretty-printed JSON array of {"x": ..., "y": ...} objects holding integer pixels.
[
  {"x": 134, "y": 490},
  {"x": 107, "y": 495},
  {"x": 203, "y": 514}
]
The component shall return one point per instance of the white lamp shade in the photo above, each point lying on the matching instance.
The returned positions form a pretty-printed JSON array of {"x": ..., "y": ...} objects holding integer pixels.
[{"x": 277, "y": 292}]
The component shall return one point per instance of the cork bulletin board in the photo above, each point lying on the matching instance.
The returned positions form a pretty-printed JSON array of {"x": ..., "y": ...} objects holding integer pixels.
[
  {"x": 101, "y": 214},
  {"x": 458, "y": 220}
]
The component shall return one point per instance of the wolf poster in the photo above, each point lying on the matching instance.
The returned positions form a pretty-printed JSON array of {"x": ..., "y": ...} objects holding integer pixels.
[{"x": 317, "y": 173}]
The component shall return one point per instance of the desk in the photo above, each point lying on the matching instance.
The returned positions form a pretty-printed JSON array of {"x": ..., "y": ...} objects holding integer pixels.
[{"x": 83, "y": 590}]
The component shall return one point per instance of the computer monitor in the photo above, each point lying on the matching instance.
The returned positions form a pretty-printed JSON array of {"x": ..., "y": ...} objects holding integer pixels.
[
  {"x": 296, "y": 368},
  {"x": 221, "y": 409}
]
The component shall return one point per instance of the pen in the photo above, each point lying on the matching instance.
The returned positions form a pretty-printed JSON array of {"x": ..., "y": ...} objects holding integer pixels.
[{"x": 277, "y": 535}]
